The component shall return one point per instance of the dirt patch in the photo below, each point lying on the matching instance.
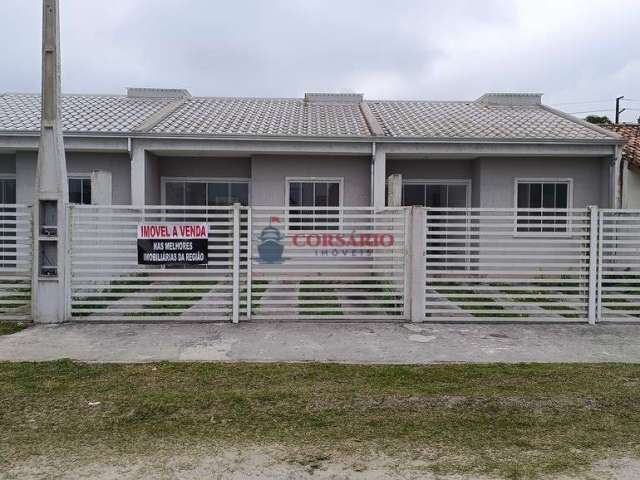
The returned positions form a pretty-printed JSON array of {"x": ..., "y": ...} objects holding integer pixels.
[
  {"x": 227, "y": 464},
  {"x": 267, "y": 464}
]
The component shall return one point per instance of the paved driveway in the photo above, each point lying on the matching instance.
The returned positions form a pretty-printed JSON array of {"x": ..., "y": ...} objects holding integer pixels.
[{"x": 325, "y": 342}]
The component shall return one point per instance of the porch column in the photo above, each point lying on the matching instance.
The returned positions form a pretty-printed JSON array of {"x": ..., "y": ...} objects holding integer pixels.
[
  {"x": 379, "y": 177},
  {"x": 138, "y": 177}
]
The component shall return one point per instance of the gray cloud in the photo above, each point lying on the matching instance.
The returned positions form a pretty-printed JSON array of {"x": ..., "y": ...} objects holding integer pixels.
[{"x": 406, "y": 49}]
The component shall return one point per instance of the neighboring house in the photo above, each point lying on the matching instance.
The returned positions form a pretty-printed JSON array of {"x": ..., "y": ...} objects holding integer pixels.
[
  {"x": 167, "y": 147},
  {"x": 630, "y": 176}
]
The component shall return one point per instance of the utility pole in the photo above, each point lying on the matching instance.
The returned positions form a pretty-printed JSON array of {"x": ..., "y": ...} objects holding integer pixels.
[
  {"x": 618, "y": 111},
  {"x": 51, "y": 190}
]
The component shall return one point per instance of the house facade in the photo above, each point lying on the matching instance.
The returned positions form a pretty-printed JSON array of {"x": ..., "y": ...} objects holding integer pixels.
[{"x": 156, "y": 147}]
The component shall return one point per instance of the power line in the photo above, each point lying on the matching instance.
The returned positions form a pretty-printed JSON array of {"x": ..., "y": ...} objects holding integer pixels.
[
  {"x": 605, "y": 110},
  {"x": 582, "y": 103},
  {"x": 593, "y": 111}
]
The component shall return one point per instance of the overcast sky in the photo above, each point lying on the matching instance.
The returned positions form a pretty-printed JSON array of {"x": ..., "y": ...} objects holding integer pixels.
[{"x": 572, "y": 51}]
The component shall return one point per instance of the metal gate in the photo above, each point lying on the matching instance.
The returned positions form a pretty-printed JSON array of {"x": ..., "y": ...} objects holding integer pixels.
[
  {"x": 16, "y": 251},
  {"x": 351, "y": 263},
  {"x": 619, "y": 266},
  {"x": 329, "y": 263},
  {"x": 509, "y": 264},
  {"x": 107, "y": 283}
]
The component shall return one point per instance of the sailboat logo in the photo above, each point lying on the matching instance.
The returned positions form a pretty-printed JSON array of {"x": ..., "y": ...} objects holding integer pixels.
[{"x": 270, "y": 248}]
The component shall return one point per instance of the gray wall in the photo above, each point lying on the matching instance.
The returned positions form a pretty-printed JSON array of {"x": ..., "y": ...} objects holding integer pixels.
[
  {"x": 496, "y": 177},
  {"x": 209, "y": 167},
  {"x": 77, "y": 163},
  {"x": 631, "y": 188},
  {"x": 7, "y": 164},
  {"x": 269, "y": 174},
  {"x": 152, "y": 195},
  {"x": 493, "y": 179},
  {"x": 428, "y": 169},
  {"x": 118, "y": 164}
]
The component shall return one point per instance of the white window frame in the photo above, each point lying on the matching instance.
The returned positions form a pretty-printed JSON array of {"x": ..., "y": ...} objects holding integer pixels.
[
  {"x": 10, "y": 176},
  {"x": 80, "y": 176},
  {"x": 457, "y": 181},
  {"x": 165, "y": 180},
  {"x": 289, "y": 180},
  {"x": 543, "y": 180}
]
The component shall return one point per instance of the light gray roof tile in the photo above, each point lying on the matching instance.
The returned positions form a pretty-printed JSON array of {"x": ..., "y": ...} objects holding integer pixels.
[
  {"x": 80, "y": 113},
  {"x": 477, "y": 120},
  {"x": 293, "y": 117},
  {"x": 264, "y": 116}
]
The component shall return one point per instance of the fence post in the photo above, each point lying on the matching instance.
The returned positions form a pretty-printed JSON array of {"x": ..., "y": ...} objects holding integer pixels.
[
  {"x": 417, "y": 263},
  {"x": 593, "y": 264},
  {"x": 235, "y": 312},
  {"x": 249, "y": 261},
  {"x": 68, "y": 265}
]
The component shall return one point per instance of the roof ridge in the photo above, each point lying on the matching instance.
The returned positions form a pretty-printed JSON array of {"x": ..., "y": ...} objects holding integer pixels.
[
  {"x": 156, "y": 118},
  {"x": 581, "y": 122}
]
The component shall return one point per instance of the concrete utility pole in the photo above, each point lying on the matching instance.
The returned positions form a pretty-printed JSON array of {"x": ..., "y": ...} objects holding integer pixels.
[
  {"x": 51, "y": 190},
  {"x": 618, "y": 110}
]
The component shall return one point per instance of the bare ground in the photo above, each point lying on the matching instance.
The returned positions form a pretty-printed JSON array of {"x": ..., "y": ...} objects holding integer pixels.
[{"x": 265, "y": 464}]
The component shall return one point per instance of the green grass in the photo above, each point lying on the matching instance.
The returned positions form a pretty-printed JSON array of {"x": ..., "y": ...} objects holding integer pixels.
[
  {"x": 514, "y": 421},
  {"x": 7, "y": 328}
]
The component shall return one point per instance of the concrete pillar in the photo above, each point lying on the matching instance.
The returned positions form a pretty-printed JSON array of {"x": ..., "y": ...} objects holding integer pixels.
[
  {"x": 616, "y": 193},
  {"x": 138, "y": 180},
  {"x": 101, "y": 189},
  {"x": 417, "y": 263},
  {"x": 394, "y": 190},
  {"x": 49, "y": 299},
  {"x": 379, "y": 178}
]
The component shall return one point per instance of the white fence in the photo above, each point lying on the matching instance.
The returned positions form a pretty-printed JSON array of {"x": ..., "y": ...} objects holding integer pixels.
[
  {"x": 333, "y": 263},
  {"x": 16, "y": 248},
  {"x": 275, "y": 263},
  {"x": 507, "y": 264},
  {"x": 619, "y": 266},
  {"x": 108, "y": 284}
]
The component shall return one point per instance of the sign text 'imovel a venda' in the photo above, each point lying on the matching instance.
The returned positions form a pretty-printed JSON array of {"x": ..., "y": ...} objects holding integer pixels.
[{"x": 173, "y": 243}]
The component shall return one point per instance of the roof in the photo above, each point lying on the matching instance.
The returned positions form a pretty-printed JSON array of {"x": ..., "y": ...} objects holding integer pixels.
[
  {"x": 631, "y": 150},
  {"x": 493, "y": 117}
]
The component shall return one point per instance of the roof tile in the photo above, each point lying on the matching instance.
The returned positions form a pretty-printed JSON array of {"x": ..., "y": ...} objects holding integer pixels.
[
  {"x": 476, "y": 120},
  {"x": 209, "y": 116}
]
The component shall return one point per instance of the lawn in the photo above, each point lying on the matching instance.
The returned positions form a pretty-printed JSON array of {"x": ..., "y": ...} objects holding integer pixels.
[
  {"x": 7, "y": 328},
  {"x": 515, "y": 421}
]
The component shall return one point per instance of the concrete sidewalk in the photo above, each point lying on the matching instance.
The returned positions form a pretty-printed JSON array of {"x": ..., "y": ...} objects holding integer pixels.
[{"x": 325, "y": 342}]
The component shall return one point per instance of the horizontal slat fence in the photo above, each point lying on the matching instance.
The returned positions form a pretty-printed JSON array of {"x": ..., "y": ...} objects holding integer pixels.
[
  {"x": 332, "y": 263},
  {"x": 619, "y": 266},
  {"x": 507, "y": 264},
  {"x": 107, "y": 284},
  {"x": 16, "y": 249},
  {"x": 348, "y": 263}
]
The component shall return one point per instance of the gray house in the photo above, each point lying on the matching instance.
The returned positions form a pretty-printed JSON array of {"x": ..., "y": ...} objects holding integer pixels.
[{"x": 157, "y": 146}]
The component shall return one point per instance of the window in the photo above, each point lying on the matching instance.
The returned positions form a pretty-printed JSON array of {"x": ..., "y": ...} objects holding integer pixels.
[
  {"x": 206, "y": 192},
  {"x": 7, "y": 190},
  {"x": 316, "y": 193},
  {"x": 545, "y": 196},
  {"x": 7, "y": 221},
  {"x": 436, "y": 194},
  {"x": 80, "y": 190}
]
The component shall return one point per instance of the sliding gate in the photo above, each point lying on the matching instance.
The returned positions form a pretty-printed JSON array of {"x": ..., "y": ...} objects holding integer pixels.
[
  {"x": 108, "y": 284},
  {"x": 486, "y": 264},
  {"x": 16, "y": 251},
  {"x": 264, "y": 263},
  {"x": 328, "y": 264}
]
